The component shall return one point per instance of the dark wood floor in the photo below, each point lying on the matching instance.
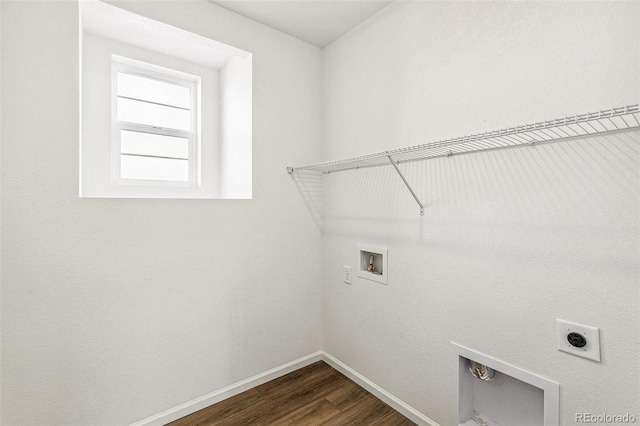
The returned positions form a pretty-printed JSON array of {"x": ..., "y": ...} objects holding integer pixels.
[{"x": 314, "y": 395}]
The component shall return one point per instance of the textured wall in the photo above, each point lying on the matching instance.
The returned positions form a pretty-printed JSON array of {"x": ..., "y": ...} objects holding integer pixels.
[
  {"x": 511, "y": 240},
  {"x": 114, "y": 310}
]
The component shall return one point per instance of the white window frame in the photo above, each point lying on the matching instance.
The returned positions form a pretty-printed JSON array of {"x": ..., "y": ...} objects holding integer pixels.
[{"x": 120, "y": 64}]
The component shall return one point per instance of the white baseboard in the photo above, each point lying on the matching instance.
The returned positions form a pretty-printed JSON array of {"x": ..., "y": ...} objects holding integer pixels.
[
  {"x": 204, "y": 401},
  {"x": 389, "y": 399}
]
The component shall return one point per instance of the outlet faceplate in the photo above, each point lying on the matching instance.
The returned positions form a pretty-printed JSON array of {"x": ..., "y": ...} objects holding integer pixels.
[
  {"x": 347, "y": 274},
  {"x": 571, "y": 339}
]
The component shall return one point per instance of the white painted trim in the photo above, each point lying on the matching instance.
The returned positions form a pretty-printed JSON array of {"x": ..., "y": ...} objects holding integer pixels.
[
  {"x": 204, "y": 401},
  {"x": 133, "y": 67},
  {"x": 386, "y": 397}
]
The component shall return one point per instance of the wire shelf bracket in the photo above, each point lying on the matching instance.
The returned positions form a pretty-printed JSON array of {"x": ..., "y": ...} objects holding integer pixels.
[
  {"x": 607, "y": 121},
  {"x": 415, "y": 197}
]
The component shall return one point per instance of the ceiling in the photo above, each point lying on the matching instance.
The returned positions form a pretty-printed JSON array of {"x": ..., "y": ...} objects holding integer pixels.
[{"x": 319, "y": 22}]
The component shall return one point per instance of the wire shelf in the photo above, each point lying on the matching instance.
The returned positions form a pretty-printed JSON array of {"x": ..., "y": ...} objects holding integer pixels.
[{"x": 589, "y": 124}]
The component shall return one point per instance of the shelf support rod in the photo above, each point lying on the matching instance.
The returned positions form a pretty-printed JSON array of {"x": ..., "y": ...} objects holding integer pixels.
[{"x": 415, "y": 197}]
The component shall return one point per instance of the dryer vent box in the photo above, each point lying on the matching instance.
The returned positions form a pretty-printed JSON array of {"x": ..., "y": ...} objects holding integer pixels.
[
  {"x": 506, "y": 396},
  {"x": 372, "y": 263}
]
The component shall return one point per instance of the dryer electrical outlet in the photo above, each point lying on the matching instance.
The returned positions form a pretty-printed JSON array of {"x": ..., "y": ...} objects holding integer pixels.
[{"x": 578, "y": 339}]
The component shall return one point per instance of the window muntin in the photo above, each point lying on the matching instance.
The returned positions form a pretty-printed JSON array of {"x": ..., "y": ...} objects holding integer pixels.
[
  {"x": 155, "y": 127},
  {"x": 151, "y": 90},
  {"x": 154, "y": 115},
  {"x": 153, "y": 168},
  {"x": 155, "y": 145}
]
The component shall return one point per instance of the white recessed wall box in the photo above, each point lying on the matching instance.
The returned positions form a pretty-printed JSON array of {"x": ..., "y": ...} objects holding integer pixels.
[
  {"x": 372, "y": 263},
  {"x": 492, "y": 392}
]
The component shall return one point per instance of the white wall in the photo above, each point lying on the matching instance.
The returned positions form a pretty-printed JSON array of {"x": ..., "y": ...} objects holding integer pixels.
[
  {"x": 0, "y": 209},
  {"x": 511, "y": 240},
  {"x": 116, "y": 309}
]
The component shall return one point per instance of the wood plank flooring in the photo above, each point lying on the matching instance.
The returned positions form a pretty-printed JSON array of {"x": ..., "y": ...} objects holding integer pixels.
[{"x": 314, "y": 395}]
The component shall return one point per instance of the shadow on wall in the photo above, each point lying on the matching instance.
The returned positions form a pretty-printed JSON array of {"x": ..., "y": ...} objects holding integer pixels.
[
  {"x": 309, "y": 184},
  {"x": 556, "y": 190}
]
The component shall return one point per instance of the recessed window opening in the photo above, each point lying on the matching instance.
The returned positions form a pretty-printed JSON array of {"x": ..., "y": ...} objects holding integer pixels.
[
  {"x": 164, "y": 113},
  {"x": 155, "y": 125}
]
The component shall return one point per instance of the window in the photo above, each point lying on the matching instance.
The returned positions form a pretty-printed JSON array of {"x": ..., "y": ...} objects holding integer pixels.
[
  {"x": 164, "y": 113},
  {"x": 155, "y": 126}
]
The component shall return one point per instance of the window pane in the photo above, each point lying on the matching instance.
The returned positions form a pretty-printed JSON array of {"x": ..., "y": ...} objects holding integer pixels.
[
  {"x": 147, "y": 89},
  {"x": 150, "y": 168},
  {"x": 153, "y": 115},
  {"x": 151, "y": 144}
]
